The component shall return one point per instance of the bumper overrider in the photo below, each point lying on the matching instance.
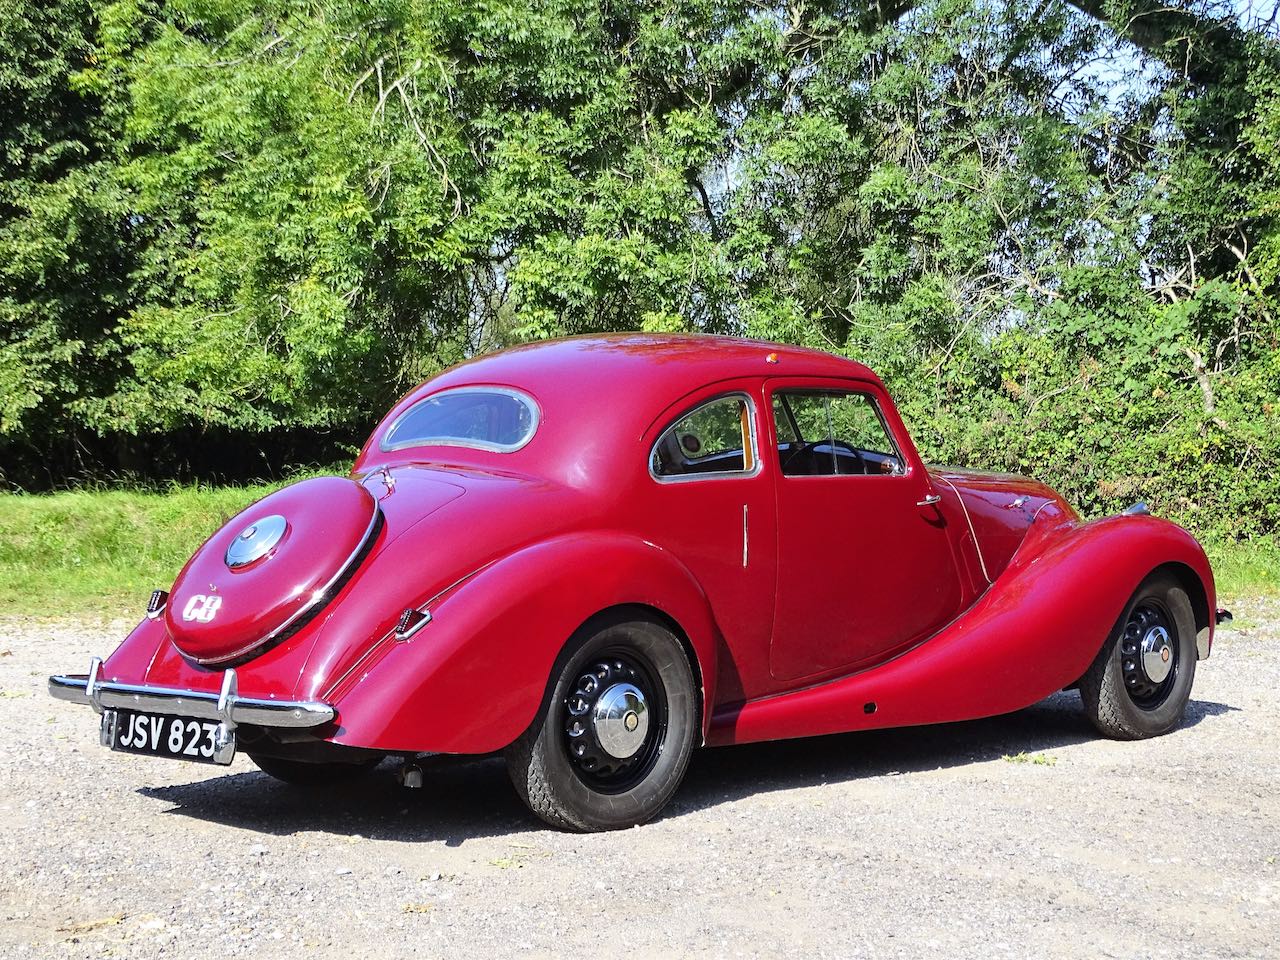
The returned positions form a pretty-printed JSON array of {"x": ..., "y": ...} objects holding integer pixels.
[{"x": 226, "y": 707}]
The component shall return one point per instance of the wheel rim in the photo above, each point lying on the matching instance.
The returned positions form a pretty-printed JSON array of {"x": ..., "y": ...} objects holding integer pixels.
[
  {"x": 1149, "y": 655},
  {"x": 615, "y": 721}
]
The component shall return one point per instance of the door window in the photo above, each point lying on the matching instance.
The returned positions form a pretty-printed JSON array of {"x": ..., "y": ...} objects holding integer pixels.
[{"x": 824, "y": 433}]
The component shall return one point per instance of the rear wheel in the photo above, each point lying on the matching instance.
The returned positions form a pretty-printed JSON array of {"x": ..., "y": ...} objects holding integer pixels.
[
  {"x": 1139, "y": 684},
  {"x": 614, "y": 738},
  {"x": 301, "y": 773}
]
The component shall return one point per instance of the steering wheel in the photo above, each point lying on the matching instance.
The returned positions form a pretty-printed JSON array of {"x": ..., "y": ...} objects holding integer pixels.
[
  {"x": 854, "y": 451},
  {"x": 796, "y": 452},
  {"x": 807, "y": 448}
]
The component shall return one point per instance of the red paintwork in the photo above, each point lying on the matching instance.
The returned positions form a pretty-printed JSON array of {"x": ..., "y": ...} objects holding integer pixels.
[
  {"x": 1041, "y": 622},
  {"x": 852, "y": 593},
  {"x": 1000, "y": 508},
  {"x": 840, "y": 606},
  {"x": 327, "y": 519}
]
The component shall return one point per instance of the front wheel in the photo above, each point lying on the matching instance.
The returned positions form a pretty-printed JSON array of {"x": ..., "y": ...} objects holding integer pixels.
[
  {"x": 1139, "y": 684},
  {"x": 614, "y": 737}
]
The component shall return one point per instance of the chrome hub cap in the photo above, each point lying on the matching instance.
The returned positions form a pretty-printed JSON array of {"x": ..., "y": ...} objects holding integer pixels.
[
  {"x": 1149, "y": 655},
  {"x": 1157, "y": 654},
  {"x": 621, "y": 720},
  {"x": 614, "y": 720},
  {"x": 256, "y": 541}
]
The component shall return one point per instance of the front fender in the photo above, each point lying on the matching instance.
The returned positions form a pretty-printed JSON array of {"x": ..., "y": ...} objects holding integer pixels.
[
  {"x": 473, "y": 679},
  {"x": 1034, "y": 632}
]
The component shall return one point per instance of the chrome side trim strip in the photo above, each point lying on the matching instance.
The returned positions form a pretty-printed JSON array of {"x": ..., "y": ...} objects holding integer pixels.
[
  {"x": 225, "y": 705},
  {"x": 977, "y": 547}
]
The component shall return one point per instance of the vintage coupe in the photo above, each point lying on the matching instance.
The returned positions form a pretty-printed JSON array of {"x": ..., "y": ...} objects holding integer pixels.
[{"x": 595, "y": 554}]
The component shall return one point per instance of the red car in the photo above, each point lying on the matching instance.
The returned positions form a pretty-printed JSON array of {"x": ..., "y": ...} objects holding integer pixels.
[{"x": 596, "y": 554}]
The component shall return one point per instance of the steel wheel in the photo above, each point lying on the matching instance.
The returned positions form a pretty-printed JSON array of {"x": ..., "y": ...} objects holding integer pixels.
[
  {"x": 1139, "y": 684},
  {"x": 615, "y": 722},
  {"x": 1149, "y": 655},
  {"x": 615, "y": 734}
]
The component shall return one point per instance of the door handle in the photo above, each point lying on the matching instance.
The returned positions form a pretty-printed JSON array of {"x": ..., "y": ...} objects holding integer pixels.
[{"x": 929, "y": 500}]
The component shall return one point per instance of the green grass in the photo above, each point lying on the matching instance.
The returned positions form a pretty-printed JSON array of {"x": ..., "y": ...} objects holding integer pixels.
[
  {"x": 1038, "y": 759},
  {"x": 1249, "y": 569},
  {"x": 100, "y": 553}
]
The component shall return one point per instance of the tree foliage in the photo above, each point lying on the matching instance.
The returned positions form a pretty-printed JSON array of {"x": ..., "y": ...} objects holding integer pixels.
[{"x": 1051, "y": 226}]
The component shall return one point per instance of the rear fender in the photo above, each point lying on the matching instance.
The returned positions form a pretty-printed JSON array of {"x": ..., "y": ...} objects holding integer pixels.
[
  {"x": 473, "y": 679},
  {"x": 1034, "y": 632}
]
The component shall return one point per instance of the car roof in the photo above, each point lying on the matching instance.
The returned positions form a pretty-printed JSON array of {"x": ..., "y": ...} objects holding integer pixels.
[
  {"x": 649, "y": 366},
  {"x": 604, "y": 389}
]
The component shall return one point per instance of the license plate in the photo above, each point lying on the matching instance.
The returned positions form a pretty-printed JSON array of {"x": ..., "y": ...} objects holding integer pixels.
[{"x": 157, "y": 735}]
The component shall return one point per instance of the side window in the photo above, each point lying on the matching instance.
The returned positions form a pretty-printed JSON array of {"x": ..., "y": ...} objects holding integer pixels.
[
  {"x": 823, "y": 433},
  {"x": 715, "y": 438}
]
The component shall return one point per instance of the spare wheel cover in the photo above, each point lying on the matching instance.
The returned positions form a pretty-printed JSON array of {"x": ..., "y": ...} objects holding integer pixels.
[{"x": 269, "y": 569}]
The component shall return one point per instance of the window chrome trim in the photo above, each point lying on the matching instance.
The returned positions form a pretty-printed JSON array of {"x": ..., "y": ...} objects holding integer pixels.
[
  {"x": 904, "y": 465},
  {"x": 757, "y": 463},
  {"x": 530, "y": 404}
]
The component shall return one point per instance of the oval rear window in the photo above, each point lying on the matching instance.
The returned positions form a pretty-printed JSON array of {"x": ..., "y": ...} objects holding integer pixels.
[{"x": 487, "y": 418}]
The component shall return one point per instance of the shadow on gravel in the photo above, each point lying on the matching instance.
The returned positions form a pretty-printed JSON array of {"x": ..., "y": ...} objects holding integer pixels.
[
  {"x": 731, "y": 773},
  {"x": 466, "y": 799}
]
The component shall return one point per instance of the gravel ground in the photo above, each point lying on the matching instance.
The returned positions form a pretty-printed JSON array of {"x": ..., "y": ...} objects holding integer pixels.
[{"x": 1018, "y": 836}]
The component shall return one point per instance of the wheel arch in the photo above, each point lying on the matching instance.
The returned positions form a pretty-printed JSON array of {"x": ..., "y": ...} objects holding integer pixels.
[
  {"x": 1140, "y": 547},
  {"x": 518, "y": 616},
  {"x": 1194, "y": 586}
]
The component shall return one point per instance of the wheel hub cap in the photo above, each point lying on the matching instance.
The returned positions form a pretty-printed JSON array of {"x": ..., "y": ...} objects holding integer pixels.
[
  {"x": 621, "y": 720},
  {"x": 1149, "y": 655},
  {"x": 1157, "y": 654},
  {"x": 614, "y": 722}
]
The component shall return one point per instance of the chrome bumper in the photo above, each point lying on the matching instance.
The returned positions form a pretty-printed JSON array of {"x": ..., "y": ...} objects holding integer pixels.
[{"x": 226, "y": 705}]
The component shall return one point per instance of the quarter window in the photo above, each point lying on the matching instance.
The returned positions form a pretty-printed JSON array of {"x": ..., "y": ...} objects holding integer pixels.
[
  {"x": 713, "y": 439},
  {"x": 823, "y": 433}
]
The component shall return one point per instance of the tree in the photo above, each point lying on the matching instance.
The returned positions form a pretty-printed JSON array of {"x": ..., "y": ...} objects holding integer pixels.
[
  {"x": 65, "y": 250},
  {"x": 1050, "y": 224}
]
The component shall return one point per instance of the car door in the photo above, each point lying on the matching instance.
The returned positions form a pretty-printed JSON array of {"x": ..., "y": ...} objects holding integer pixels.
[
  {"x": 710, "y": 502},
  {"x": 865, "y": 564}
]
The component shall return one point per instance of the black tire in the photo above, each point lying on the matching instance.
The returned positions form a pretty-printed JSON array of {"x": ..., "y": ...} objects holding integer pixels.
[
  {"x": 593, "y": 790},
  {"x": 300, "y": 773},
  {"x": 1120, "y": 697}
]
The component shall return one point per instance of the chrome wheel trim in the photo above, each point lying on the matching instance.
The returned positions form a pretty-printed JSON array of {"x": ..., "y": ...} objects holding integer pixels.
[
  {"x": 1157, "y": 654},
  {"x": 621, "y": 720},
  {"x": 1149, "y": 654},
  {"x": 614, "y": 720}
]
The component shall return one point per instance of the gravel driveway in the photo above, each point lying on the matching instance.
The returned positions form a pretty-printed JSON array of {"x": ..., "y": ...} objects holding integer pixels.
[{"x": 1019, "y": 836}]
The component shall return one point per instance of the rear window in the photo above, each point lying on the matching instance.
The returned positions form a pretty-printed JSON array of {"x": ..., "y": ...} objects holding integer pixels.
[{"x": 488, "y": 418}]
